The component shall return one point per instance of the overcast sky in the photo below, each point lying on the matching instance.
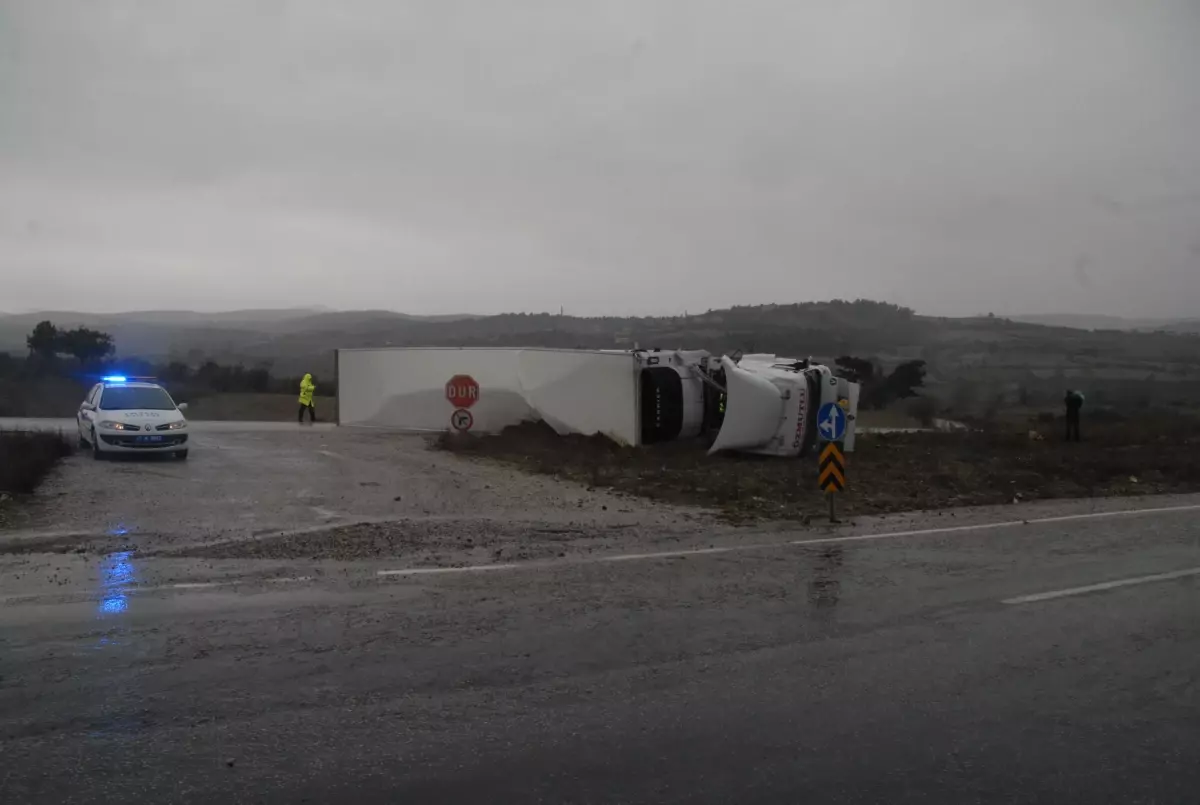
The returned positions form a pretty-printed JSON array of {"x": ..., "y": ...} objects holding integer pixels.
[{"x": 623, "y": 156}]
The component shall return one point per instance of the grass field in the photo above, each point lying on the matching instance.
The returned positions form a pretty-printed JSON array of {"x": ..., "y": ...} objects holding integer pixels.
[
  {"x": 257, "y": 407},
  {"x": 56, "y": 397},
  {"x": 890, "y": 418},
  {"x": 887, "y": 473}
]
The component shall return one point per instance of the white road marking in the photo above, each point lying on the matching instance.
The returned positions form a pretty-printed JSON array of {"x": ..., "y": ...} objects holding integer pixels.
[
  {"x": 201, "y": 585},
  {"x": 1106, "y": 585},
  {"x": 434, "y": 571},
  {"x": 90, "y": 594},
  {"x": 641, "y": 557},
  {"x": 1065, "y": 518},
  {"x": 759, "y": 546},
  {"x": 716, "y": 550},
  {"x": 17, "y": 535}
]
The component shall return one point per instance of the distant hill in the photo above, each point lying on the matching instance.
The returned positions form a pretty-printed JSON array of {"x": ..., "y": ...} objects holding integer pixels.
[
  {"x": 1182, "y": 326},
  {"x": 1088, "y": 322},
  {"x": 156, "y": 334},
  {"x": 70, "y": 318},
  {"x": 970, "y": 360}
]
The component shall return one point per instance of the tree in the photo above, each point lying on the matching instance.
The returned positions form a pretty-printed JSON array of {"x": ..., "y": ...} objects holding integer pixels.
[
  {"x": 176, "y": 372},
  {"x": 904, "y": 381},
  {"x": 44, "y": 341},
  {"x": 879, "y": 391},
  {"x": 258, "y": 380},
  {"x": 856, "y": 370},
  {"x": 209, "y": 374},
  {"x": 88, "y": 346},
  {"x": 8, "y": 365}
]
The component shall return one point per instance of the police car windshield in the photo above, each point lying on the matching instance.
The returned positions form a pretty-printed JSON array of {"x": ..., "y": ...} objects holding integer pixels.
[{"x": 125, "y": 398}]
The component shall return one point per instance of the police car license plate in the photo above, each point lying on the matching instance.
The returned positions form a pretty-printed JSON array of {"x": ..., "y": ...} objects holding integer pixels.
[{"x": 149, "y": 438}]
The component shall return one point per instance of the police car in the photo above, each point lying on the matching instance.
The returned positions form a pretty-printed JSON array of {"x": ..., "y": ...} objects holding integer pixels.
[{"x": 129, "y": 415}]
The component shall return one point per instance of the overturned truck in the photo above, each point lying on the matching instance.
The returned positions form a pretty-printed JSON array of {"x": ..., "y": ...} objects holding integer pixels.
[{"x": 755, "y": 403}]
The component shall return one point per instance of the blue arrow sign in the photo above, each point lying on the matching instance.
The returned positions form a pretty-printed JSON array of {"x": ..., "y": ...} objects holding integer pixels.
[{"x": 831, "y": 422}]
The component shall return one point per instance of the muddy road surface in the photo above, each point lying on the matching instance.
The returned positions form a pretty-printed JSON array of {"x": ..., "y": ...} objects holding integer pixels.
[
  {"x": 269, "y": 491},
  {"x": 331, "y": 616}
]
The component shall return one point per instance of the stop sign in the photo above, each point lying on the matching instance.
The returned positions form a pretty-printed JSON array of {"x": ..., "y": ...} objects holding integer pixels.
[{"x": 462, "y": 391}]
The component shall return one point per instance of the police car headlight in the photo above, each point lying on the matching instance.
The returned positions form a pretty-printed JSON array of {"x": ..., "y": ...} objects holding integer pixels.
[
  {"x": 110, "y": 425},
  {"x": 180, "y": 425}
]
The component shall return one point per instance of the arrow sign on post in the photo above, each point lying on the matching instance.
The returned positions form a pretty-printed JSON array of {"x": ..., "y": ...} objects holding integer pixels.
[
  {"x": 831, "y": 422},
  {"x": 831, "y": 476}
]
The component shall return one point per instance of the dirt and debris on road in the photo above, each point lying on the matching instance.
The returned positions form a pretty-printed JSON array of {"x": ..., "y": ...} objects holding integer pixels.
[
  {"x": 342, "y": 495},
  {"x": 328, "y": 494},
  {"x": 434, "y": 543},
  {"x": 887, "y": 473}
]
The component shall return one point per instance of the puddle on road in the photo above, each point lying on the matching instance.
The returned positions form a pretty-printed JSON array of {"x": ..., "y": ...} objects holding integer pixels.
[{"x": 118, "y": 576}]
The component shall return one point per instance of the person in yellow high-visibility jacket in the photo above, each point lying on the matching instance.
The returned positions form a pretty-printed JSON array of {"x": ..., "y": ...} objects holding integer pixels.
[{"x": 307, "y": 387}]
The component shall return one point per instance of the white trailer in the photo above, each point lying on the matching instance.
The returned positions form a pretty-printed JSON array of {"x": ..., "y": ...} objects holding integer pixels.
[{"x": 758, "y": 403}]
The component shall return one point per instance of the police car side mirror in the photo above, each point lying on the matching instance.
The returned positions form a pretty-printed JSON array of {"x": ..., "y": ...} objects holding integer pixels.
[{"x": 182, "y": 406}]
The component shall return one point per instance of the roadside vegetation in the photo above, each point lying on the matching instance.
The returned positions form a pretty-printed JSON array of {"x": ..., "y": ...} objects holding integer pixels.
[
  {"x": 975, "y": 366},
  {"x": 27, "y": 458},
  {"x": 995, "y": 462},
  {"x": 61, "y": 365}
]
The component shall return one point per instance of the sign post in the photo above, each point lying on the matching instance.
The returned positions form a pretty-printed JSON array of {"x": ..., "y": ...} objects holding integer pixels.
[
  {"x": 462, "y": 391},
  {"x": 831, "y": 475}
]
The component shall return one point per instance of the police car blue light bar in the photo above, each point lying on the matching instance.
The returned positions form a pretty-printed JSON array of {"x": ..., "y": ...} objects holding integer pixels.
[{"x": 128, "y": 379}]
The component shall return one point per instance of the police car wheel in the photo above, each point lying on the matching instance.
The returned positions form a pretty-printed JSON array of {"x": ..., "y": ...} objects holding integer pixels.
[
  {"x": 97, "y": 454},
  {"x": 181, "y": 455}
]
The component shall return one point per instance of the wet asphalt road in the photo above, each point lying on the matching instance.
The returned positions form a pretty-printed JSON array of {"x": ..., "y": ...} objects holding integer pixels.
[{"x": 878, "y": 670}]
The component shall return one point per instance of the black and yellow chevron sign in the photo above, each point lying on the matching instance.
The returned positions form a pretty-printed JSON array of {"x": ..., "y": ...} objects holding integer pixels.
[{"x": 832, "y": 475}]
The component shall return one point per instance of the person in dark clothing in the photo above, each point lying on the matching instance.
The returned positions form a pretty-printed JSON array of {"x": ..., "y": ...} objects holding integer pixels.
[{"x": 1074, "y": 402}]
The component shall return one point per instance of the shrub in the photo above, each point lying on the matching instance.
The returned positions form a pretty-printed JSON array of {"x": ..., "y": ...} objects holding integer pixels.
[{"x": 26, "y": 458}]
